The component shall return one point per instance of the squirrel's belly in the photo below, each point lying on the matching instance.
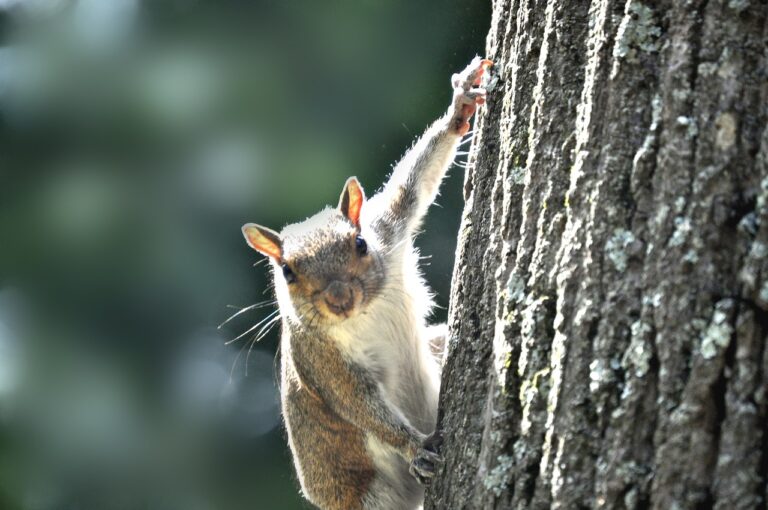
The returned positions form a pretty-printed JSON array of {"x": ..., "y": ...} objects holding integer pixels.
[
  {"x": 399, "y": 358},
  {"x": 412, "y": 384}
]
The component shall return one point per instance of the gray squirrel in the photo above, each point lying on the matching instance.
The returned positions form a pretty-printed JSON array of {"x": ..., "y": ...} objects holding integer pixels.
[{"x": 359, "y": 379}]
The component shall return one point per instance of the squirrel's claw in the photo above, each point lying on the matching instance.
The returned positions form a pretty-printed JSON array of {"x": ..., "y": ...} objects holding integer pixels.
[
  {"x": 433, "y": 442},
  {"x": 427, "y": 459},
  {"x": 424, "y": 465},
  {"x": 467, "y": 94},
  {"x": 472, "y": 75}
]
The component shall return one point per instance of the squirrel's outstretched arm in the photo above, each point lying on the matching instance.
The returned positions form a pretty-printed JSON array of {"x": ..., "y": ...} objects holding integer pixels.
[{"x": 415, "y": 181}]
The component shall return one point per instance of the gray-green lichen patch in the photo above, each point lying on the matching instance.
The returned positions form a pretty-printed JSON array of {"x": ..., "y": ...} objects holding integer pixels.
[
  {"x": 638, "y": 32},
  {"x": 496, "y": 480},
  {"x": 698, "y": 324},
  {"x": 759, "y": 250},
  {"x": 707, "y": 69},
  {"x": 654, "y": 300},
  {"x": 764, "y": 292},
  {"x": 762, "y": 198},
  {"x": 679, "y": 204},
  {"x": 683, "y": 227},
  {"x": 718, "y": 334},
  {"x": 681, "y": 95},
  {"x": 748, "y": 224},
  {"x": 638, "y": 355},
  {"x": 656, "y": 106},
  {"x": 738, "y": 5},
  {"x": 691, "y": 257},
  {"x": 600, "y": 374},
  {"x": 616, "y": 248},
  {"x": 750, "y": 272},
  {"x": 661, "y": 215},
  {"x": 692, "y": 129},
  {"x": 515, "y": 288},
  {"x": 517, "y": 175}
]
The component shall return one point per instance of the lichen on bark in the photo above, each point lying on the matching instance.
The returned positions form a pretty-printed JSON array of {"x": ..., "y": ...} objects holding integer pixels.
[{"x": 609, "y": 304}]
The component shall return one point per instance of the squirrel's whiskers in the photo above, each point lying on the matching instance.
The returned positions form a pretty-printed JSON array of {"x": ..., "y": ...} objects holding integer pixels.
[{"x": 360, "y": 366}]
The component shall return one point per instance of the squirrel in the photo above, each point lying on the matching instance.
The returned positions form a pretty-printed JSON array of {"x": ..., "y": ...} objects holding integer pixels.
[{"x": 359, "y": 380}]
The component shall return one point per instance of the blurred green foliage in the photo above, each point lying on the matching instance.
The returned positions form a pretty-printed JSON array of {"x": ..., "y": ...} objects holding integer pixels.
[{"x": 135, "y": 139}]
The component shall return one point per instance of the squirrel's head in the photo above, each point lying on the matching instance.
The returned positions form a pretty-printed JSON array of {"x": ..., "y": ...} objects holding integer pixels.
[{"x": 327, "y": 268}]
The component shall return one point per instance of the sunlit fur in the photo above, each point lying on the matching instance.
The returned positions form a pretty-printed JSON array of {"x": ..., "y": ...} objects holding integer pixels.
[
  {"x": 386, "y": 333},
  {"x": 390, "y": 339},
  {"x": 360, "y": 383}
]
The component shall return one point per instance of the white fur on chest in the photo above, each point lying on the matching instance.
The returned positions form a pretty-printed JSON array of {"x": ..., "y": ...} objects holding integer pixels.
[
  {"x": 388, "y": 340},
  {"x": 384, "y": 338}
]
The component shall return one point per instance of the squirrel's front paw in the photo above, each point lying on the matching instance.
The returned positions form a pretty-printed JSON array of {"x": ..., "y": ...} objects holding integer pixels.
[
  {"x": 467, "y": 94},
  {"x": 427, "y": 459}
]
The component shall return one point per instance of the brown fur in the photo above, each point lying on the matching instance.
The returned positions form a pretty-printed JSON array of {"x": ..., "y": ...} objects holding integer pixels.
[
  {"x": 341, "y": 477},
  {"x": 311, "y": 284},
  {"x": 360, "y": 397},
  {"x": 316, "y": 382}
]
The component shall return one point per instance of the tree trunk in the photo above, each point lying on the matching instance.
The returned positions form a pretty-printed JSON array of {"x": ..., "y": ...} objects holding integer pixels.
[{"x": 609, "y": 308}]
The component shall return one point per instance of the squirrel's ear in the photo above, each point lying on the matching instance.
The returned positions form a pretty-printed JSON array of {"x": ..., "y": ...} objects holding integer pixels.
[
  {"x": 263, "y": 240},
  {"x": 351, "y": 200}
]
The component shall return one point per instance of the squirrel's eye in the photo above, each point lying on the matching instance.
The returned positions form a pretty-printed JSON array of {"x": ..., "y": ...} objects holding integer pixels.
[
  {"x": 361, "y": 246},
  {"x": 288, "y": 273}
]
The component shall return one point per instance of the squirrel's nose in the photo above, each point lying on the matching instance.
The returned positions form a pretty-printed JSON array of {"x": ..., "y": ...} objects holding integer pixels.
[{"x": 338, "y": 296}]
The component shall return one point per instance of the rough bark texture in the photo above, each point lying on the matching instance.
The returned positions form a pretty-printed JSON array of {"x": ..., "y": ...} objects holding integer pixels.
[{"x": 609, "y": 308}]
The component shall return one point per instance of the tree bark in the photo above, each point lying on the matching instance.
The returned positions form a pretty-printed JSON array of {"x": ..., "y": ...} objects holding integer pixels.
[{"x": 609, "y": 307}]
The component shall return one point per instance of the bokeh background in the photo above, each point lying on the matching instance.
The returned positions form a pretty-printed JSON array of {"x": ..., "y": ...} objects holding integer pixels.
[{"x": 136, "y": 137}]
